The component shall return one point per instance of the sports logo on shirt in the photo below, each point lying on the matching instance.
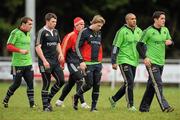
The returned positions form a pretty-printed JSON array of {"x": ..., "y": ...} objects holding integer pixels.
[
  {"x": 51, "y": 43},
  {"x": 91, "y": 36},
  {"x": 47, "y": 35}
]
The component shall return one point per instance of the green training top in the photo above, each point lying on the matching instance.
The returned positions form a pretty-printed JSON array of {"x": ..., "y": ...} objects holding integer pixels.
[
  {"x": 126, "y": 40},
  {"x": 20, "y": 40},
  {"x": 155, "y": 41}
]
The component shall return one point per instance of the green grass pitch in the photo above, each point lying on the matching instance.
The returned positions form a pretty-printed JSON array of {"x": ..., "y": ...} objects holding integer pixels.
[{"x": 19, "y": 107}]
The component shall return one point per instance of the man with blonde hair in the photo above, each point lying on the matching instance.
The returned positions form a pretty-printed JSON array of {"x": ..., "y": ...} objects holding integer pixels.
[{"x": 89, "y": 51}]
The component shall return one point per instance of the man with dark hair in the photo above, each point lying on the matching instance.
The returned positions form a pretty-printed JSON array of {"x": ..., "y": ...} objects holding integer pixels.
[
  {"x": 19, "y": 44},
  {"x": 72, "y": 60},
  {"x": 152, "y": 49},
  {"x": 89, "y": 51},
  {"x": 125, "y": 55},
  {"x": 49, "y": 56}
]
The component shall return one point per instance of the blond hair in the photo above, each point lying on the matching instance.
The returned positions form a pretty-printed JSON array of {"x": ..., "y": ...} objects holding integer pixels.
[{"x": 98, "y": 19}]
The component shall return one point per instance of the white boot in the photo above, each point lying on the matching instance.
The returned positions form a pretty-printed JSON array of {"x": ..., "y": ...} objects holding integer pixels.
[
  {"x": 59, "y": 103},
  {"x": 85, "y": 105}
]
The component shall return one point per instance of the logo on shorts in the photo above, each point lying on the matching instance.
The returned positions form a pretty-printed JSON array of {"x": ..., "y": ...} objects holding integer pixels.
[
  {"x": 125, "y": 68},
  {"x": 18, "y": 71}
]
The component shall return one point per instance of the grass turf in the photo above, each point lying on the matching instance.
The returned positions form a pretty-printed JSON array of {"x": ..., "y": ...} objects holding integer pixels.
[{"x": 19, "y": 108}]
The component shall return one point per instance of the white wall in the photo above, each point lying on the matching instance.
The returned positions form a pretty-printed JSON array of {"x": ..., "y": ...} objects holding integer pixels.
[{"x": 171, "y": 73}]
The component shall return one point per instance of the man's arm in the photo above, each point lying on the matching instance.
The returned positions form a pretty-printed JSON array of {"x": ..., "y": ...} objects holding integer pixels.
[
  {"x": 114, "y": 54},
  {"x": 41, "y": 56},
  {"x": 61, "y": 56},
  {"x": 169, "y": 43},
  {"x": 141, "y": 48},
  {"x": 79, "y": 43},
  {"x": 12, "y": 48}
]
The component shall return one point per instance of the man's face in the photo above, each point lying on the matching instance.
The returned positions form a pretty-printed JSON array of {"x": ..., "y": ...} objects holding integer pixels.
[
  {"x": 131, "y": 20},
  {"x": 79, "y": 26},
  {"x": 160, "y": 21},
  {"x": 28, "y": 25},
  {"x": 51, "y": 23},
  {"x": 98, "y": 26}
]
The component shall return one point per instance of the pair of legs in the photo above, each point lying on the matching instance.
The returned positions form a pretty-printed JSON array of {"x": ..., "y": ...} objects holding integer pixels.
[
  {"x": 154, "y": 86},
  {"x": 28, "y": 74},
  {"x": 128, "y": 72},
  {"x": 58, "y": 74},
  {"x": 75, "y": 77},
  {"x": 92, "y": 80}
]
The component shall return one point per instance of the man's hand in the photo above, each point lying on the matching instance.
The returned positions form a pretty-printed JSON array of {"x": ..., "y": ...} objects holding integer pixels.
[
  {"x": 61, "y": 58},
  {"x": 46, "y": 64},
  {"x": 23, "y": 51},
  {"x": 83, "y": 66},
  {"x": 147, "y": 62},
  {"x": 168, "y": 42},
  {"x": 114, "y": 66}
]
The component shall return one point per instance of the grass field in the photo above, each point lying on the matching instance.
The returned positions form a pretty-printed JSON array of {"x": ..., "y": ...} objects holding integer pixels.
[{"x": 19, "y": 108}]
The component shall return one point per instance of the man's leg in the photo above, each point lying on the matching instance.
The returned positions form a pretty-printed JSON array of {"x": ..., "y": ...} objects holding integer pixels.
[
  {"x": 59, "y": 77},
  {"x": 85, "y": 87},
  {"x": 17, "y": 78},
  {"x": 46, "y": 78},
  {"x": 67, "y": 88},
  {"x": 156, "y": 72},
  {"x": 29, "y": 78},
  {"x": 96, "y": 85}
]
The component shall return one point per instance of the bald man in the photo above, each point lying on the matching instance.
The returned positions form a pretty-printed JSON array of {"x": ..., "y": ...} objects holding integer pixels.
[{"x": 125, "y": 55}]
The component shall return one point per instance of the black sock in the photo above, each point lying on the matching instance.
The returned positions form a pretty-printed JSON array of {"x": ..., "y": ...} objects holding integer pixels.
[
  {"x": 53, "y": 91},
  {"x": 44, "y": 95},
  {"x": 30, "y": 94},
  {"x": 8, "y": 95},
  {"x": 95, "y": 96}
]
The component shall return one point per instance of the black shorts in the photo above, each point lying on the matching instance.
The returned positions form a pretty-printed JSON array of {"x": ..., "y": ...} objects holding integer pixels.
[{"x": 75, "y": 71}]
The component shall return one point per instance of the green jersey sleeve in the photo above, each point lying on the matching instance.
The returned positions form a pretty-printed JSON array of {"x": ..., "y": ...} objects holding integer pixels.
[
  {"x": 118, "y": 40},
  {"x": 144, "y": 37},
  {"x": 168, "y": 36},
  {"x": 12, "y": 38}
]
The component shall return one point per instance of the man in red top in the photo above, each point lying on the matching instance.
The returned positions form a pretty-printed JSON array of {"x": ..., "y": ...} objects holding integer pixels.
[{"x": 72, "y": 60}]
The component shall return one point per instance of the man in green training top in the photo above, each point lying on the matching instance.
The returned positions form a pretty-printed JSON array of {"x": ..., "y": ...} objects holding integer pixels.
[
  {"x": 19, "y": 44},
  {"x": 152, "y": 49},
  {"x": 125, "y": 55}
]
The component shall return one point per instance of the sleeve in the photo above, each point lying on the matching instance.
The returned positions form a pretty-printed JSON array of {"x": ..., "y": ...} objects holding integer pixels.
[
  {"x": 58, "y": 35},
  {"x": 39, "y": 38},
  {"x": 168, "y": 36},
  {"x": 11, "y": 48},
  {"x": 118, "y": 40},
  {"x": 66, "y": 44},
  {"x": 114, "y": 53},
  {"x": 144, "y": 37},
  {"x": 12, "y": 38},
  {"x": 79, "y": 42},
  {"x": 141, "y": 45}
]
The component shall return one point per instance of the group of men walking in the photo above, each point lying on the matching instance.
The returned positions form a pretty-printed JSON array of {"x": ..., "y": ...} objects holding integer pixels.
[{"x": 81, "y": 49}]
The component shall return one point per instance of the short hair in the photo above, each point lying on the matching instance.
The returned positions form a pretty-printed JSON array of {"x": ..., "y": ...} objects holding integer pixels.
[
  {"x": 25, "y": 20},
  {"x": 48, "y": 16},
  {"x": 128, "y": 14},
  {"x": 157, "y": 14},
  {"x": 98, "y": 19}
]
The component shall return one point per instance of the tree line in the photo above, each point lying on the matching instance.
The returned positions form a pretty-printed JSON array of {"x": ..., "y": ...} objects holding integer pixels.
[{"x": 112, "y": 10}]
